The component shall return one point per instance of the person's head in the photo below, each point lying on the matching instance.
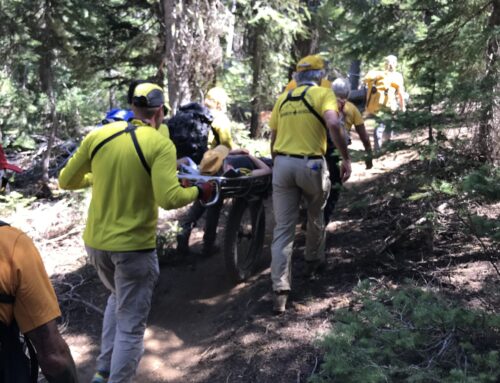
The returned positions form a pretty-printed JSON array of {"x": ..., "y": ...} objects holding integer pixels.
[
  {"x": 216, "y": 99},
  {"x": 391, "y": 62},
  {"x": 147, "y": 101},
  {"x": 310, "y": 68},
  {"x": 341, "y": 88}
]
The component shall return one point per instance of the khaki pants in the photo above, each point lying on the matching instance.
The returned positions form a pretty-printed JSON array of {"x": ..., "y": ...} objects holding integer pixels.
[
  {"x": 131, "y": 278},
  {"x": 294, "y": 178}
]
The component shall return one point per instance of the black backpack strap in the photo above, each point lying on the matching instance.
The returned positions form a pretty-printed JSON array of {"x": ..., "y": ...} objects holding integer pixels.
[
  {"x": 129, "y": 129},
  {"x": 302, "y": 97},
  {"x": 18, "y": 358},
  {"x": 105, "y": 141}
]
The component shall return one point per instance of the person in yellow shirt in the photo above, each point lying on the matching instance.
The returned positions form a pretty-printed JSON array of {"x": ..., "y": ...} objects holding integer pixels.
[
  {"x": 220, "y": 134},
  {"x": 28, "y": 304},
  {"x": 350, "y": 116},
  {"x": 386, "y": 94},
  {"x": 133, "y": 169},
  {"x": 389, "y": 85},
  {"x": 300, "y": 122}
]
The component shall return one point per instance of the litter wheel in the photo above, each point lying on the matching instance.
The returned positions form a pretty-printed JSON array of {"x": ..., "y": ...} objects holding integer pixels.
[{"x": 244, "y": 238}]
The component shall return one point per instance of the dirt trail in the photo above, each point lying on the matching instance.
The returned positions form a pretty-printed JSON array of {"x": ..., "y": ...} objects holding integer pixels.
[{"x": 203, "y": 329}]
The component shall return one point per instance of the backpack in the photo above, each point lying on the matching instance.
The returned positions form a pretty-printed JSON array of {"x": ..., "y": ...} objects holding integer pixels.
[
  {"x": 360, "y": 96},
  {"x": 189, "y": 129},
  {"x": 18, "y": 362},
  {"x": 330, "y": 147}
]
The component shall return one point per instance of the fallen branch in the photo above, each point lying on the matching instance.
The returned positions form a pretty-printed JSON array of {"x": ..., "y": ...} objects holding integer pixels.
[
  {"x": 75, "y": 230},
  {"x": 314, "y": 368},
  {"x": 88, "y": 304}
]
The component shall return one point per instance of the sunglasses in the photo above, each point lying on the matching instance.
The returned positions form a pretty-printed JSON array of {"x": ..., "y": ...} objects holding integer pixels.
[{"x": 165, "y": 110}]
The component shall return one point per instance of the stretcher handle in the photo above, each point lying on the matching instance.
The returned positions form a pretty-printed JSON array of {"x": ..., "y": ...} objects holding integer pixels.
[
  {"x": 193, "y": 179},
  {"x": 216, "y": 197}
]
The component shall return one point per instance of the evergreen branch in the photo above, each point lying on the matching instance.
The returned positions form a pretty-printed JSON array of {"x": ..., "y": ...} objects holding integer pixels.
[{"x": 487, "y": 251}]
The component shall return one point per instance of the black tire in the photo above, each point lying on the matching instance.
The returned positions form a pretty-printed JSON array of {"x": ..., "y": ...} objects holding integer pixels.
[{"x": 244, "y": 238}]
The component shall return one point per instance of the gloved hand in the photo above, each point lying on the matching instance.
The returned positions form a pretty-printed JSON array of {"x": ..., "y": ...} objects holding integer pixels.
[
  {"x": 185, "y": 183},
  {"x": 369, "y": 161},
  {"x": 206, "y": 191}
]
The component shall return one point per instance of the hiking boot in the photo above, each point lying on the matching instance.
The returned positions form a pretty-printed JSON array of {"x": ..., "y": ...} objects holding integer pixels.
[
  {"x": 100, "y": 377},
  {"x": 279, "y": 301},
  {"x": 313, "y": 268}
]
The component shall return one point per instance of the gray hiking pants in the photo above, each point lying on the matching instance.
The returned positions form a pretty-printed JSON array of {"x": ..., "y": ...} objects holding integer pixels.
[
  {"x": 294, "y": 178},
  {"x": 131, "y": 278}
]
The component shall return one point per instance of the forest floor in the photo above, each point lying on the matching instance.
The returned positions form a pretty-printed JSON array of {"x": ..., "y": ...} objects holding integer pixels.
[{"x": 202, "y": 328}]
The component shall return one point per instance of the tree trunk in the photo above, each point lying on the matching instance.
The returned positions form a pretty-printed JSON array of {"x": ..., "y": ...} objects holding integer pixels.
[
  {"x": 178, "y": 87},
  {"x": 429, "y": 107},
  {"x": 488, "y": 134},
  {"x": 230, "y": 32},
  {"x": 257, "y": 60},
  {"x": 52, "y": 122},
  {"x": 308, "y": 44},
  {"x": 192, "y": 47},
  {"x": 47, "y": 82}
]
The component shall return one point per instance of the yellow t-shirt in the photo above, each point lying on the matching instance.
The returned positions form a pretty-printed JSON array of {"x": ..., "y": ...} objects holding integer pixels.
[
  {"x": 23, "y": 275},
  {"x": 297, "y": 130},
  {"x": 163, "y": 129},
  {"x": 123, "y": 212},
  {"x": 352, "y": 116},
  {"x": 222, "y": 126}
]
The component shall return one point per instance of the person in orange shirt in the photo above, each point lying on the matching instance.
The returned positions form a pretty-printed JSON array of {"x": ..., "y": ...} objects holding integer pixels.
[{"x": 28, "y": 300}]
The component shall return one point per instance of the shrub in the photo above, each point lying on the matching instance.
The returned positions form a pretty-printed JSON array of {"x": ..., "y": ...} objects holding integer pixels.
[
  {"x": 483, "y": 182},
  {"x": 409, "y": 335}
]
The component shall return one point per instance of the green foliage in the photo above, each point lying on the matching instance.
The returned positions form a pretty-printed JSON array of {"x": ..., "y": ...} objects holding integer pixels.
[
  {"x": 236, "y": 81},
  {"x": 12, "y": 201},
  {"x": 484, "y": 226},
  {"x": 436, "y": 187},
  {"x": 409, "y": 335},
  {"x": 359, "y": 205},
  {"x": 483, "y": 182}
]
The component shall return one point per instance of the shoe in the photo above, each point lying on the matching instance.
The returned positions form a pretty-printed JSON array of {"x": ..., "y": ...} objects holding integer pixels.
[
  {"x": 100, "y": 377},
  {"x": 313, "y": 268},
  {"x": 279, "y": 301}
]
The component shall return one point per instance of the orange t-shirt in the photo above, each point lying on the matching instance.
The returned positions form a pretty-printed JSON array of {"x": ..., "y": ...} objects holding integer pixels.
[{"x": 23, "y": 275}]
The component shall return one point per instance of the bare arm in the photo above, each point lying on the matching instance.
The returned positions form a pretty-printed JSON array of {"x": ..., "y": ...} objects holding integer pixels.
[
  {"x": 338, "y": 138},
  {"x": 262, "y": 168},
  {"x": 53, "y": 354},
  {"x": 363, "y": 136}
]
